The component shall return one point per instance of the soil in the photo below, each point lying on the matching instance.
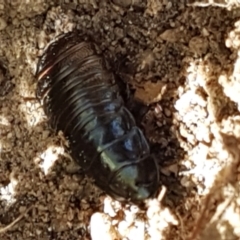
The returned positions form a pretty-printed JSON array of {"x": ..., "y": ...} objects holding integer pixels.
[{"x": 181, "y": 58}]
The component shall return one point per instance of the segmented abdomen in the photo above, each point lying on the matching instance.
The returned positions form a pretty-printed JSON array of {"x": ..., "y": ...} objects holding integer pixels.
[{"x": 81, "y": 98}]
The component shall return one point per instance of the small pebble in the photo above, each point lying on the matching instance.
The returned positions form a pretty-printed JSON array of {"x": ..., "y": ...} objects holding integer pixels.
[
  {"x": 101, "y": 227},
  {"x": 3, "y": 24}
]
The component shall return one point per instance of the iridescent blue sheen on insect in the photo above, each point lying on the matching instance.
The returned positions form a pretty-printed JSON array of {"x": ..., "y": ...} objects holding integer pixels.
[{"x": 81, "y": 98}]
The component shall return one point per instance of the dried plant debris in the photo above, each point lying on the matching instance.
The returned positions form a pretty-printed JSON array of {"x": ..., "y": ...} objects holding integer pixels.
[{"x": 182, "y": 59}]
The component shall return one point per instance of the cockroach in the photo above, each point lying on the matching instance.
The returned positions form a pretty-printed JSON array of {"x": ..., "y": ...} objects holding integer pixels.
[{"x": 81, "y": 97}]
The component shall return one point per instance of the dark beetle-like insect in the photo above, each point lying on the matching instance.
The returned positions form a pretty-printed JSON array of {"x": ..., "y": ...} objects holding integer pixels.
[{"x": 81, "y": 98}]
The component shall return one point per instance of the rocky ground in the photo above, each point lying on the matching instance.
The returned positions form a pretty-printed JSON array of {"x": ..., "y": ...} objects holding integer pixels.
[{"x": 183, "y": 60}]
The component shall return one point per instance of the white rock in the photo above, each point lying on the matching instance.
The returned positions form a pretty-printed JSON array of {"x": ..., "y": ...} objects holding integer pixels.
[
  {"x": 101, "y": 227},
  {"x": 108, "y": 208},
  {"x": 137, "y": 232}
]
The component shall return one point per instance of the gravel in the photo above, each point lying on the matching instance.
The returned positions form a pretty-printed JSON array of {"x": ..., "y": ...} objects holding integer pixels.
[{"x": 183, "y": 61}]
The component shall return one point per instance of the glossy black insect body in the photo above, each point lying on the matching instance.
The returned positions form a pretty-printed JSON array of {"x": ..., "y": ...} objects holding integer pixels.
[{"x": 81, "y": 98}]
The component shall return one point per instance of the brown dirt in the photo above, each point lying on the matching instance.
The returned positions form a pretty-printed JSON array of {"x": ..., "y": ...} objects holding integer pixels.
[{"x": 183, "y": 60}]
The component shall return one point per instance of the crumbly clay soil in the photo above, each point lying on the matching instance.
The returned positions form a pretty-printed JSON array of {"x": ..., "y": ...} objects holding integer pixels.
[{"x": 183, "y": 60}]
